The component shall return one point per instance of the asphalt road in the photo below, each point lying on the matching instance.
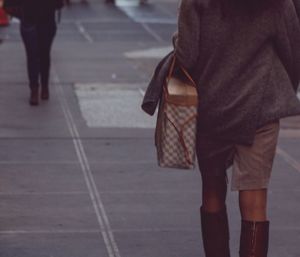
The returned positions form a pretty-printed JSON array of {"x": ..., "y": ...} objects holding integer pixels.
[{"x": 78, "y": 175}]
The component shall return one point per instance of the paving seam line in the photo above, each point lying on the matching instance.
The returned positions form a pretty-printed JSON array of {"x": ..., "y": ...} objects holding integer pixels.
[
  {"x": 37, "y": 163},
  {"x": 43, "y": 193},
  {"x": 17, "y": 232},
  {"x": 151, "y": 32},
  {"x": 106, "y": 231},
  {"x": 84, "y": 32},
  {"x": 142, "y": 92},
  {"x": 289, "y": 159},
  {"x": 132, "y": 230}
]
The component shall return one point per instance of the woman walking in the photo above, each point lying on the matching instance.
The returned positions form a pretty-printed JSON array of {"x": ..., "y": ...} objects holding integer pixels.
[
  {"x": 38, "y": 29},
  {"x": 245, "y": 58}
]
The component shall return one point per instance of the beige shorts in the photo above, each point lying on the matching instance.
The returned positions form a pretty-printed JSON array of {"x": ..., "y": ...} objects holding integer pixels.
[{"x": 252, "y": 165}]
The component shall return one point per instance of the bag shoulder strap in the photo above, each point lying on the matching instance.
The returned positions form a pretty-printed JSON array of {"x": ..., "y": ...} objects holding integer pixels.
[{"x": 171, "y": 70}]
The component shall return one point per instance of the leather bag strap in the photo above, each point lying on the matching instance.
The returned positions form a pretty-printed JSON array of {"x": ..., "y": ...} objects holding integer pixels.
[{"x": 171, "y": 70}]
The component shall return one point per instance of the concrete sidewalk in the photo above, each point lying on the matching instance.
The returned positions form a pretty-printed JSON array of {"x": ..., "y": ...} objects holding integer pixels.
[{"x": 76, "y": 183}]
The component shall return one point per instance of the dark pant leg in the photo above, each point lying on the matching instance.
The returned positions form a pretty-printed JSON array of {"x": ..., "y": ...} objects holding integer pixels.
[
  {"x": 30, "y": 38},
  {"x": 46, "y": 34}
]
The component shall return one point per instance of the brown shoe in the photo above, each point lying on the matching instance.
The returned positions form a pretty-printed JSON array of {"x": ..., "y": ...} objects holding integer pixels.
[
  {"x": 215, "y": 233},
  {"x": 45, "y": 93},
  {"x": 34, "y": 97},
  {"x": 254, "y": 239}
]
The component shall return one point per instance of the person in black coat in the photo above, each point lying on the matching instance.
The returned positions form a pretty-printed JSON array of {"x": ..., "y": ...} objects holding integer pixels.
[{"x": 38, "y": 29}]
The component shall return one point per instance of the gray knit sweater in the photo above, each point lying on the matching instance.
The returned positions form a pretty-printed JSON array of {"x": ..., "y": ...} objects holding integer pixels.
[{"x": 247, "y": 68}]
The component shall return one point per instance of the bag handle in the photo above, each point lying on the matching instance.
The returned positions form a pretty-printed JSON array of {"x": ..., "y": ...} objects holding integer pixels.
[{"x": 171, "y": 70}]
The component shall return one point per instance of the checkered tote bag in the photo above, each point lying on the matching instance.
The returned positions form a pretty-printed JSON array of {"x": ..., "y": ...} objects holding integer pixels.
[{"x": 175, "y": 135}]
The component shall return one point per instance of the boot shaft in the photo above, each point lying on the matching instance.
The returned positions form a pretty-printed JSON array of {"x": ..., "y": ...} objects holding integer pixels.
[
  {"x": 215, "y": 233},
  {"x": 254, "y": 240}
]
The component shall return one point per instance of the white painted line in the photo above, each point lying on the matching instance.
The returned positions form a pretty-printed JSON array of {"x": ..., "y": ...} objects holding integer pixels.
[
  {"x": 152, "y": 33},
  {"x": 142, "y": 92},
  {"x": 83, "y": 32},
  {"x": 107, "y": 234},
  {"x": 289, "y": 159}
]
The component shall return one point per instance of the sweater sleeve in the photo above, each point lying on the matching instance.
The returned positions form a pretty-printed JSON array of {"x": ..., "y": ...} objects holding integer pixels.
[
  {"x": 287, "y": 42},
  {"x": 187, "y": 42}
]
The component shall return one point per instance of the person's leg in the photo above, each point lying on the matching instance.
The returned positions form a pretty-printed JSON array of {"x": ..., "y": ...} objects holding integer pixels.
[
  {"x": 214, "y": 191},
  {"x": 252, "y": 172},
  {"x": 255, "y": 226},
  {"x": 253, "y": 204},
  {"x": 30, "y": 39},
  {"x": 46, "y": 34},
  {"x": 214, "y": 157},
  {"x": 214, "y": 220}
]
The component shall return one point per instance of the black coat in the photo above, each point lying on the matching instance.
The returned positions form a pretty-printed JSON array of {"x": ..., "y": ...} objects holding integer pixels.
[{"x": 39, "y": 11}]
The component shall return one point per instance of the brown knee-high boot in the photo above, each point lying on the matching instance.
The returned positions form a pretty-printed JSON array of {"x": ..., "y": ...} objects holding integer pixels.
[
  {"x": 215, "y": 233},
  {"x": 254, "y": 239}
]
